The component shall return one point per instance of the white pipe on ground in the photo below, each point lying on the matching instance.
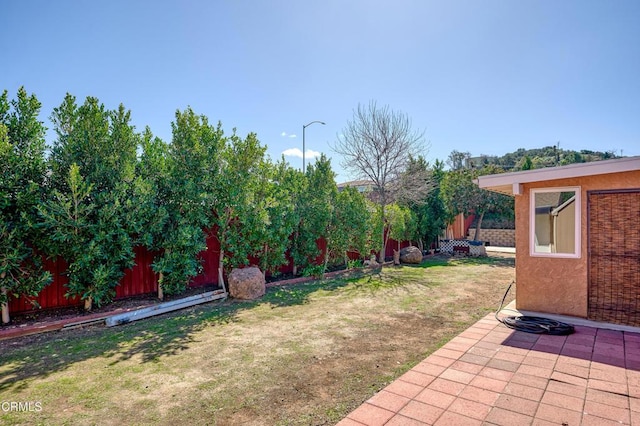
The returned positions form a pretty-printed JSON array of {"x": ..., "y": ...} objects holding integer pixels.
[{"x": 162, "y": 308}]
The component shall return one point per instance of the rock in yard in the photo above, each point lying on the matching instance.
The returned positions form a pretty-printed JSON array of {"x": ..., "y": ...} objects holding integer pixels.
[
  {"x": 478, "y": 250},
  {"x": 411, "y": 254},
  {"x": 246, "y": 283}
]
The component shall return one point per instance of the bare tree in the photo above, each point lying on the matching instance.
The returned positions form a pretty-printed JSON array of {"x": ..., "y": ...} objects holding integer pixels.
[{"x": 376, "y": 145}]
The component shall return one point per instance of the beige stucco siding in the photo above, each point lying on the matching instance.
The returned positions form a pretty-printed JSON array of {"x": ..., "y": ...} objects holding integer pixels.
[{"x": 559, "y": 285}]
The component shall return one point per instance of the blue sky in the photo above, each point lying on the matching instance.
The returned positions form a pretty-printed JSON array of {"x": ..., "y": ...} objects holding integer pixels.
[{"x": 487, "y": 77}]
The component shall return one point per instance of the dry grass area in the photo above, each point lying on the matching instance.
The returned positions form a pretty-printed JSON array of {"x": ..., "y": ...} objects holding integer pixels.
[{"x": 302, "y": 355}]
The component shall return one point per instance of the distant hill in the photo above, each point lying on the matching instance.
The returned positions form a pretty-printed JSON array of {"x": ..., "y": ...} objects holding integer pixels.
[
  {"x": 537, "y": 158},
  {"x": 523, "y": 159}
]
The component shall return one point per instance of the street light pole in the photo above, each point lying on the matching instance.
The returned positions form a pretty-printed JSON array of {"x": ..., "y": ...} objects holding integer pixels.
[{"x": 304, "y": 126}]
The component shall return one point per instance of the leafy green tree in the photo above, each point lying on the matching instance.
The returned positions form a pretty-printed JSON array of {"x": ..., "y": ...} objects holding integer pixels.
[
  {"x": 233, "y": 202},
  {"x": 184, "y": 177},
  {"x": 431, "y": 216},
  {"x": 461, "y": 195},
  {"x": 525, "y": 163},
  {"x": 22, "y": 175},
  {"x": 457, "y": 160},
  {"x": 428, "y": 212},
  {"x": 171, "y": 231},
  {"x": 151, "y": 198},
  {"x": 315, "y": 207},
  {"x": 349, "y": 229},
  {"x": 92, "y": 171},
  {"x": 69, "y": 217},
  {"x": 376, "y": 227},
  {"x": 274, "y": 219},
  {"x": 401, "y": 223},
  {"x": 572, "y": 157}
]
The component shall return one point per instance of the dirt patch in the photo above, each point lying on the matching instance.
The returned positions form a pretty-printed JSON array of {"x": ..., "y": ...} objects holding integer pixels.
[{"x": 303, "y": 355}]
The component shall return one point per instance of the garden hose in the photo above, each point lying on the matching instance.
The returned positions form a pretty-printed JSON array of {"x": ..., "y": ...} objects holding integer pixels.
[{"x": 536, "y": 325}]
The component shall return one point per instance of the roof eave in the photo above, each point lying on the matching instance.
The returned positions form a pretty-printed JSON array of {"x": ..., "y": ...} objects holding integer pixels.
[{"x": 510, "y": 183}]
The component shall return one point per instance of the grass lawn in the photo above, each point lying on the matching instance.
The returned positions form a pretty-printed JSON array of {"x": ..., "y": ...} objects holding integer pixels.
[{"x": 303, "y": 354}]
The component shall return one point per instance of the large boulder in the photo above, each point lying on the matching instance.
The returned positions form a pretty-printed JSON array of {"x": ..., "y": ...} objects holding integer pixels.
[
  {"x": 476, "y": 248},
  {"x": 246, "y": 283},
  {"x": 411, "y": 254}
]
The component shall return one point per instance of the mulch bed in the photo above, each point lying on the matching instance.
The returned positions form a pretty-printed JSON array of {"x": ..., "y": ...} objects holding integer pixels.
[{"x": 56, "y": 314}]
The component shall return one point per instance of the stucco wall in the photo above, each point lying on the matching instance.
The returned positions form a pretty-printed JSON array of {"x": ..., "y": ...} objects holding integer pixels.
[{"x": 559, "y": 285}]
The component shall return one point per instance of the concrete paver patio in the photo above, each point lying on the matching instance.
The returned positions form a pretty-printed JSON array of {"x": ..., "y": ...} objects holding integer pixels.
[{"x": 491, "y": 374}]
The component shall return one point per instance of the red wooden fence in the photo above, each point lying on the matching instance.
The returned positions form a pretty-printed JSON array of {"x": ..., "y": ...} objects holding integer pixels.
[
  {"x": 459, "y": 229},
  {"x": 210, "y": 259},
  {"x": 141, "y": 279}
]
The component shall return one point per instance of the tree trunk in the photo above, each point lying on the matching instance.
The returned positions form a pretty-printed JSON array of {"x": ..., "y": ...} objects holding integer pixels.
[
  {"x": 478, "y": 226},
  {"x": 326, "y": 261},
  {"x": 292, "y": 250},
  {"x": 160, "y": 291},
  {"x": 384, "y": 241},
  {"x": 265, "y": 251},
  {"x": 88, "y": 303},
  {"x": 5, "y": 305},
  {"x": 221, "y": 271}
]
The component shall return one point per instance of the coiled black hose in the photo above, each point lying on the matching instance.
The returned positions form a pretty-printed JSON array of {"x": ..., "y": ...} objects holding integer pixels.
[{"x": 536, "y": 325}]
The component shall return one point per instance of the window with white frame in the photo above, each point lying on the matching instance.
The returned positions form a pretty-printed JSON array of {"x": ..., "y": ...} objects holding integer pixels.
[{"x": 555, "y": 222}]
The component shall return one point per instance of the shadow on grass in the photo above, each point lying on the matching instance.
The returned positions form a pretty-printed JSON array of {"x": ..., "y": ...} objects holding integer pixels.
[
  {"x": 39, "y": 356},
  {"x": 395, "y": 278}
]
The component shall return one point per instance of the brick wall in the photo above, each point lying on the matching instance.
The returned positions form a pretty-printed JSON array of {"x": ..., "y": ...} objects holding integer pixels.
[{"x": 496, "y": 237}]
